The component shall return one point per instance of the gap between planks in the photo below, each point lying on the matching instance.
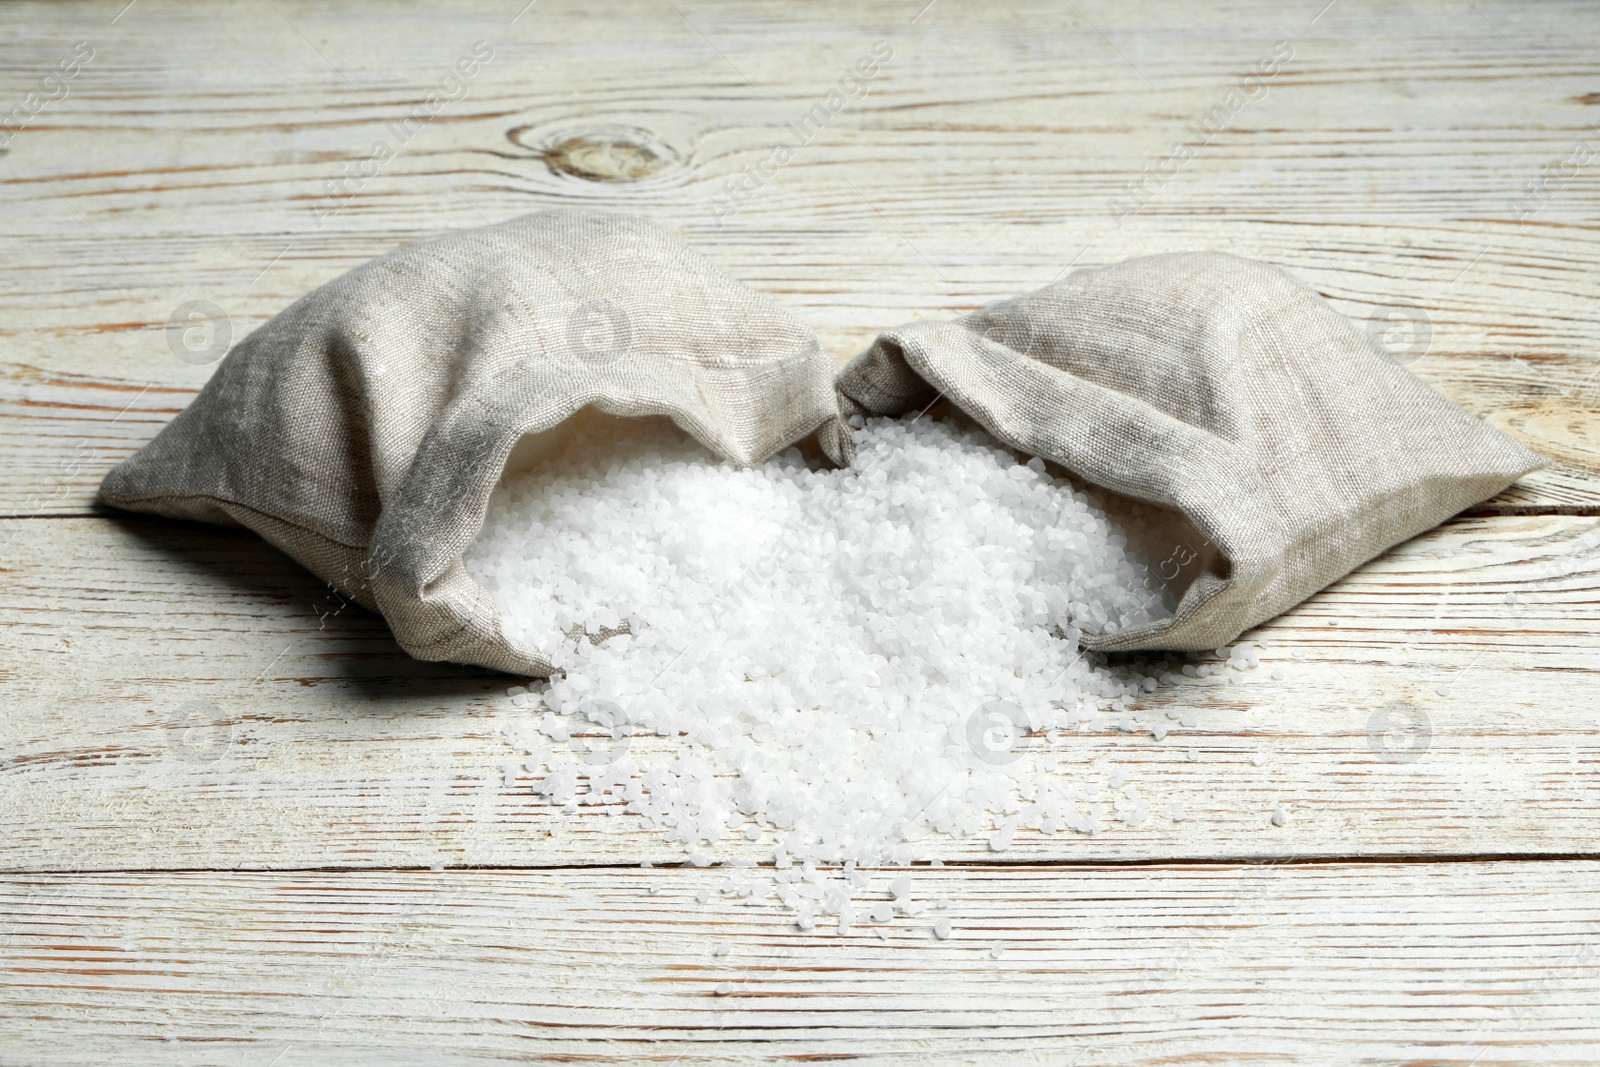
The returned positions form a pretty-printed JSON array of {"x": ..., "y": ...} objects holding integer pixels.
[{"x": 997, "y": 863}]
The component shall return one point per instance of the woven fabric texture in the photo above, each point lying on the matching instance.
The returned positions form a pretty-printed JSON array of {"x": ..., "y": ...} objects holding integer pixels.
[
  {"x": 1223, "y": 390},
  {"x": 363, "y": 429}
]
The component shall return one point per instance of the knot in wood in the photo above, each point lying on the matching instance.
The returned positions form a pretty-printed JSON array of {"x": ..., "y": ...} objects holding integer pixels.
[{"x": 606, "y": 156}]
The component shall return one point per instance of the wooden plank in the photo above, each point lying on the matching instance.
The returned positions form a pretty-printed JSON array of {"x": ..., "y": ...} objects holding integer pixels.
[
  {"x": 1439, "y": 963},
  {"x": 181, "y": 696},
  {"x": 986, "y": 155}
]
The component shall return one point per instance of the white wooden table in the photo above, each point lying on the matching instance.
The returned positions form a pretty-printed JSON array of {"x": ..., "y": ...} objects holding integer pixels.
[{"x": 241, "y": 829}]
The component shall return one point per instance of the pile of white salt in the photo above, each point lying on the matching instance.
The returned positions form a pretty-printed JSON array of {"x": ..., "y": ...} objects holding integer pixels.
[{"x": 841, "y": 662}]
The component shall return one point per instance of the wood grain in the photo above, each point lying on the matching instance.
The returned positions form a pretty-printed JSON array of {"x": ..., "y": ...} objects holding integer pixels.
[
  {"x": 181, "y": 696},
  {"x": 1452, "y": 964}
]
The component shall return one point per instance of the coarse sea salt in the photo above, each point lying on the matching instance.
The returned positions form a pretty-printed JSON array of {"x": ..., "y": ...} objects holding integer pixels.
[{"x": 840, "y": 661}]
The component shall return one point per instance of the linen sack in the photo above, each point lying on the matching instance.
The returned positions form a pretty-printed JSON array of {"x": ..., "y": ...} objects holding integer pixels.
[
  {"x": 363, "y": 429},
  {"x": 1287, "y": 446}
]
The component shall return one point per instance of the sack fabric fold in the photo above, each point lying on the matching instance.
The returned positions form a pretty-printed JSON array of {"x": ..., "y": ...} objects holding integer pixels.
[
  {"x": 1220, "y": 388},
  {"x": 363, "y": 429}
]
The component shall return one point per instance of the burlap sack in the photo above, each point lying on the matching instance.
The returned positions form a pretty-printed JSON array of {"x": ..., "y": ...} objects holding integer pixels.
[
  {"x": 363, "y": 429},
  {"x": 1224, "y": 390}
]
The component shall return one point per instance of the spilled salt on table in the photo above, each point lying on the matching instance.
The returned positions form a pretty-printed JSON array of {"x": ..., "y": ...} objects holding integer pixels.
[{"x": 845, "y": 660}]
